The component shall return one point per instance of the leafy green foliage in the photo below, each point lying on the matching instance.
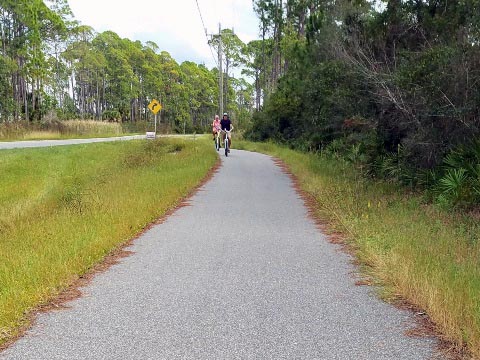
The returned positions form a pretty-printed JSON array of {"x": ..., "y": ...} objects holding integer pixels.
[
  {"x": 459, "y": 183},
  {"x": 393, "y": 90},
  {"x": 453, "y": 186},
  {"x": 111, "y": 115}
]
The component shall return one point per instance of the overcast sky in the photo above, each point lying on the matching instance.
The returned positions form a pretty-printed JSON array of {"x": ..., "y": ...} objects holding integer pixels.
[{"x": 174, "y": 25}]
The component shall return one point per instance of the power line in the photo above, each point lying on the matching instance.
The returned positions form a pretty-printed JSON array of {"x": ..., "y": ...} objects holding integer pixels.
[
  {"x": 201, "y": 17},
  {"x": 206, "y": 35}
]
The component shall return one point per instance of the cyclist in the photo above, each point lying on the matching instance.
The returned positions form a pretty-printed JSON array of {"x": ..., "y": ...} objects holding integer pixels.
[
  {"x": 226, "y": 124},
  {"x": 216, "y": 127}
]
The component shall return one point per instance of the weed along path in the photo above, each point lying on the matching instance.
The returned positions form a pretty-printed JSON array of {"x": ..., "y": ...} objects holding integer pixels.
[{"x": 242, "y": 272}]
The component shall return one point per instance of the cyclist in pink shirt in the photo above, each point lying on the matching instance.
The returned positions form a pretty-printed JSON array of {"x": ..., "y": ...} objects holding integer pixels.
[{"x": 216, "y": 127}]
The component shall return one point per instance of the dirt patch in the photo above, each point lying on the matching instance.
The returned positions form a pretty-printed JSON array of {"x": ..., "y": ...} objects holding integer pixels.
[
  {"x": 73, "y": 292},
  {"x": 423, "y": 325}
]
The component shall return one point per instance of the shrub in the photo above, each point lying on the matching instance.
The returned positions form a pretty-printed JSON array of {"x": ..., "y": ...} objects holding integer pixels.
[
  {"x": 459, "y": 181},
  {"x": 111, "y": 115}
]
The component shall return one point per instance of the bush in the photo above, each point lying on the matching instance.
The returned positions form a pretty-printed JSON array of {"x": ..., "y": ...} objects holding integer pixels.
[
  {"x": 111, "y": 115},
  {"x": 459, "y": 181}
]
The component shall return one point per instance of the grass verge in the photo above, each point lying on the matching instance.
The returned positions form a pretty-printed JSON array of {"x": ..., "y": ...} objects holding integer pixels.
[
  {"x": 63, "y": 209},
  {"x": 414, "y": 251}
]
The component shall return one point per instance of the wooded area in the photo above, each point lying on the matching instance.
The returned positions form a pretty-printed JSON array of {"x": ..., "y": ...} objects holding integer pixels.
[
  {"x": 53, "y": 67},
  {"x": 392, "y": 86}
]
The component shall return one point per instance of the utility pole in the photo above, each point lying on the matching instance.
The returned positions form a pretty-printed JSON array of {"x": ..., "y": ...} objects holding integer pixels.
[
  {"x": 222, "y": 93},
  {"x": 220, "y": 70}
]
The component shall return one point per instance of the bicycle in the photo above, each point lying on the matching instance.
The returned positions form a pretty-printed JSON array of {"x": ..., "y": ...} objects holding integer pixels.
[
  {"x": 217, "y": 140},
  {"x": 225, "y": 141}
]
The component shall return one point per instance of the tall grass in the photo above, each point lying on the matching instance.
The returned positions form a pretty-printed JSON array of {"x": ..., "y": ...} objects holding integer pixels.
[
  {"x": 63, "y": 209},
  {"x": 89, "y": 127},
  {"x": 413, "y": 250},
  {"x": 58, "y": 129}
]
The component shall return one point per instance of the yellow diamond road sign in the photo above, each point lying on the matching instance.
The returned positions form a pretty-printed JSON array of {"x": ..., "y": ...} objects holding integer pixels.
[{"x": 155, "y": 106}]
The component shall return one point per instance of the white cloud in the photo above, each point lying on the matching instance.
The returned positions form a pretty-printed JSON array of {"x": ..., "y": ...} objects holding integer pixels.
[{"x": 174, "y": 25}]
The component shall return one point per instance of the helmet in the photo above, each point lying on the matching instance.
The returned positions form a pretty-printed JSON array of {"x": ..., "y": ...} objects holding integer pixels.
[{"x": 225, "y": 114}]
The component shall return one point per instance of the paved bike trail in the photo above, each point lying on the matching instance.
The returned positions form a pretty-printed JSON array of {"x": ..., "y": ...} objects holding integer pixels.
[
  {"x": 241, "y": 273},
  {"x": 7, "y": 145}
]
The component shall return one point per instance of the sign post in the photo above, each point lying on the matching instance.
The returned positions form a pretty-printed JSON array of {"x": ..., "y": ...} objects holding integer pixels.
[{"x": 154, "y": 107}]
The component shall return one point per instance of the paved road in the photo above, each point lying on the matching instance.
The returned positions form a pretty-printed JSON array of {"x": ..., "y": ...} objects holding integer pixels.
[
  {"x": 263, "y": 284},
  {"x": 46, "y": 143}
]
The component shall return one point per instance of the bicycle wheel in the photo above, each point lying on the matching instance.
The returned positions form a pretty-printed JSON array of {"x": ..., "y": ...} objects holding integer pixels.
[
  {"x": 226, "y": 147},
  {"x": 217, "y": 143}
]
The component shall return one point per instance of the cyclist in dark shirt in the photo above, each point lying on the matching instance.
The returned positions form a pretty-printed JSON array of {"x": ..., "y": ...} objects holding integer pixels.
[{"x": 226, "y": 124}]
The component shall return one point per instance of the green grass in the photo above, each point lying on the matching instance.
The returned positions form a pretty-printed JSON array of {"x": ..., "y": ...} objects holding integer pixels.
[
  {"x": 63, "y": 209},
  {"x": 411, "y": 249}
]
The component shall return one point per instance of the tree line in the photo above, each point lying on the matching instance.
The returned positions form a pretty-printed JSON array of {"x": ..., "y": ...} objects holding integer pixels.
[
  {"x": 391, "y": 85},
  {"x": 51, "y": 64}
]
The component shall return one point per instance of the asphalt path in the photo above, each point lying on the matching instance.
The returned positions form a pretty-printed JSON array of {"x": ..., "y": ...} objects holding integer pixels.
[
  {"x": 5, "y": 145},
  {"x": 241, "y": 273}
]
